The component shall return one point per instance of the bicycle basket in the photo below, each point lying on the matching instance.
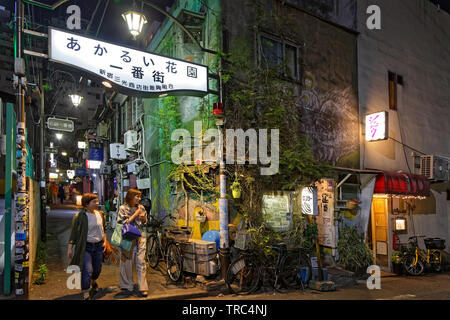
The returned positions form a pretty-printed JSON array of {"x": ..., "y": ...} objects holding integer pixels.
[
  {"x": 243, "y": 240},
  {"x": 434, "y": 243}
]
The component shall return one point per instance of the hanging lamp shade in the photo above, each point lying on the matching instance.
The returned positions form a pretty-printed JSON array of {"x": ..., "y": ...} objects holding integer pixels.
[
  {"x": 135, "y": 22},
  {"x": 76, "y": 99}
]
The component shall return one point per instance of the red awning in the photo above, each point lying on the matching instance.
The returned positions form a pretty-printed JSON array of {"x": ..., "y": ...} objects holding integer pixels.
[{"x": 402, "y": 183}]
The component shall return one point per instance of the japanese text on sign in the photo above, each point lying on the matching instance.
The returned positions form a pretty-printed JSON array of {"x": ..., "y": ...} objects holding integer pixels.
[{"x": 128, "y": 68}]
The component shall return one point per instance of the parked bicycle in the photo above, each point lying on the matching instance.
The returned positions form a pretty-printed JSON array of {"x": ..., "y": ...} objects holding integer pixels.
[
  {"x": 416, "y": 259},
  {"x": 291, "y": 269},
  {"x": 160, "y": 247}
]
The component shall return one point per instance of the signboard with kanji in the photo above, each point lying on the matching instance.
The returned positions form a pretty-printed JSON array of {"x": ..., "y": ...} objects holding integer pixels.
[
  {"x": 133, "y": 71},
  {"x": 60, "y": 124}
]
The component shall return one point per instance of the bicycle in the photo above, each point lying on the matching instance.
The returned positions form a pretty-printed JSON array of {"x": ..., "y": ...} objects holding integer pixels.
[
  {"x": 244, "y": 274},
  {"x": 161, "y": 247},
  {"x": 416, "y": 259}
]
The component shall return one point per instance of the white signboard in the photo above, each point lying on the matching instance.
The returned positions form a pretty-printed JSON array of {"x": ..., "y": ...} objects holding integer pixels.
[
  {"x": 70, "y": 174},
  {"x": 276, "y": 211},
  {"x": 132, "y": 70},
  {"x": 60, "y": 124},
  {"x": 377, "y": 126},
  {"x": 309, "y": 201}
]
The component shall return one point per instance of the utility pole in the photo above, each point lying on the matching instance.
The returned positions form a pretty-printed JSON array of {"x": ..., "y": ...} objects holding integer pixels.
[
  {"x": 224, "y": 250},
  {"x": 21, "y": 269}
]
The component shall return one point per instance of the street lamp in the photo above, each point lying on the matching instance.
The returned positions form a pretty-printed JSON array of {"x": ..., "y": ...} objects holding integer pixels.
[
  {"x": 64, "y": 153},
  {"x": 59, "y": 136},
  {"x": 135, "y": 22},
  {"x": 76, "y": 99}
]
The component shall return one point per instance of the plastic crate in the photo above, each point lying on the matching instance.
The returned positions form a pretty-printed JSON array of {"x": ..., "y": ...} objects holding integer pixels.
[{"x": 434, "y": 243}]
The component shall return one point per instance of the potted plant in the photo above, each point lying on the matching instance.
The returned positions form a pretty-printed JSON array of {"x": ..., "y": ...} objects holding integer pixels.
[
  {"x": 397, "y": 262},
  {"x": 236, "y": 188}
]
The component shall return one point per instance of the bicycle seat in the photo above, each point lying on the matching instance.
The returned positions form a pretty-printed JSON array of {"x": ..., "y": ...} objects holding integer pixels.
[{"x": 279, "y": 247}]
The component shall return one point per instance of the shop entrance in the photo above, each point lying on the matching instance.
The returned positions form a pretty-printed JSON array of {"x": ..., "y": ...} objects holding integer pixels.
[{"x": 379, "y": 222}]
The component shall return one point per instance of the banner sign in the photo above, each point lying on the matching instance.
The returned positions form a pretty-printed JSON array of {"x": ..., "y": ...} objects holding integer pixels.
[
  {"x": 60, "y": 124},
  {"x": 81, "y": 172},
  {"x": 128, "y": 69},
  {"x": 95, "y": 154}
]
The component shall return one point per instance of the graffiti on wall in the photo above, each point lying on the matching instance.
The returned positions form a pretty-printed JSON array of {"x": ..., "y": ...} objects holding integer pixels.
[{"x": 330, "y": 120}]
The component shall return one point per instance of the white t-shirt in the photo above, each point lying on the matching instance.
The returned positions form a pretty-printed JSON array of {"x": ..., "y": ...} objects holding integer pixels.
[{"x": 95, "y": 227}]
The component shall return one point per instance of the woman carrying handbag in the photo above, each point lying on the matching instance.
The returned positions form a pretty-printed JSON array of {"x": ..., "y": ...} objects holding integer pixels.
[{"x": 133, "y": 216}]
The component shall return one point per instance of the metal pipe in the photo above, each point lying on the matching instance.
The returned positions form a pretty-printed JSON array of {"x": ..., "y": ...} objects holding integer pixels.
[{"x": 41, "y": 147}]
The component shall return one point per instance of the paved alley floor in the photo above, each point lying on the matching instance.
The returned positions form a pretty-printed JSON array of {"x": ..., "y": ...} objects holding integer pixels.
[{"x": 59, "y": 223}]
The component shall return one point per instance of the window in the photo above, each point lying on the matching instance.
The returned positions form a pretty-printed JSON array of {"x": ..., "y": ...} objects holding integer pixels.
[
  {"x": 277, "y": 54},
  {"x": 394, "y": 80}
]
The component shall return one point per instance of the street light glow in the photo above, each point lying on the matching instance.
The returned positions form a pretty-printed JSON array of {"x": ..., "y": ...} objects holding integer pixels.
[
  {"x": 76, "y": 99},
  {"x": 59, "y": 136},
  {"x": 64, "y": 153},
  {"x": 135, "y": 22},
  {"x": 107, "y": 84}
]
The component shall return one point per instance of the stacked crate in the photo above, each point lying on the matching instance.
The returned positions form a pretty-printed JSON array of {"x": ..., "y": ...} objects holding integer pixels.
[{"x": 199, "y": 257}]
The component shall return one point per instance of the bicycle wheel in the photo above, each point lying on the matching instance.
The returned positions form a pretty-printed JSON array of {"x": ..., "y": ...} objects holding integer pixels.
[
  {"x": 174, "y": 262},
  {"x": 243, "y": 276},
  {"x": 414, "y": 270},
  {"x": 152, "y": 255},
  {"x": 435, "y": 261},
  {"x": 295, "y": 270}
]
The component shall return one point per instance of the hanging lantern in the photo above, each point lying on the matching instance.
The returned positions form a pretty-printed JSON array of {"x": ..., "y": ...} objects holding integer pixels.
[
  {"x": 218, "y": 109},
  {"x": 76, "y": 99},
  {"x": 135, "y": 22}
]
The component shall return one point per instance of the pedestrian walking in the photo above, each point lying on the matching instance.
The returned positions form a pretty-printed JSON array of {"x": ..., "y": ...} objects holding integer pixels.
[
  {"x": 88, "y": 236},
  {"x": 54, "y": 193},
  {"x": 61, "y": 194},
  {"x": 66, "y": 191},
  {"x": 134, "y": 213}
]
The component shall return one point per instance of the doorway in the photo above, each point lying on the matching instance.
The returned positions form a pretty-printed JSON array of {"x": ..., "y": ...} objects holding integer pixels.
[{"x": 379, "y": 222}]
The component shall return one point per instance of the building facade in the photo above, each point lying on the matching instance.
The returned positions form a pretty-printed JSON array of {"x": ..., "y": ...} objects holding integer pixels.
[{"x": 404, "y": 70}]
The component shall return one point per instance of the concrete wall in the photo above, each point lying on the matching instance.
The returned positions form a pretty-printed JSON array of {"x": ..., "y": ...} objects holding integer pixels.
[
  {"x": 414, "y": 41},
  {"x": 327, "y": 86}
]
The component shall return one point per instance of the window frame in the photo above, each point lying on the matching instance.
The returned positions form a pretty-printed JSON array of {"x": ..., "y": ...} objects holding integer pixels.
[{"x": 284, "y": 44}]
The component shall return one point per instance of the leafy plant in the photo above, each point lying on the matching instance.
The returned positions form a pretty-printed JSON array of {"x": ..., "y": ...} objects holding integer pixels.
[
  {"x": 354, "y": 254},
  {"x": 42, "y": 274},
  {"x": 397, "y": 257}
]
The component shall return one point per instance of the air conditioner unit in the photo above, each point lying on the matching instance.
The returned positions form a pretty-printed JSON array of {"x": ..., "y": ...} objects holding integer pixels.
[
  {"x": 434, "y": 167},
  {"x": 130, "y": 140}
]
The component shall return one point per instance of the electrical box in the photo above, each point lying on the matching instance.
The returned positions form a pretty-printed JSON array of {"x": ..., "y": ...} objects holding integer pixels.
[
  {"x": 105, "y": 170},
  {"x": 130, "y": 140},
  {"x": 143, "y": 183},
  {"x": 434, "y": 167}
]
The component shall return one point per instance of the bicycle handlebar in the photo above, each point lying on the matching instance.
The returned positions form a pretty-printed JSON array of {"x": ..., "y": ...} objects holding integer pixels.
[{"x": 416, "y": 237}]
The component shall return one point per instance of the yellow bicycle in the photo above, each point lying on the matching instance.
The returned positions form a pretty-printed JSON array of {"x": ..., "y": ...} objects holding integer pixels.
[{"x": 415, "y": 261}]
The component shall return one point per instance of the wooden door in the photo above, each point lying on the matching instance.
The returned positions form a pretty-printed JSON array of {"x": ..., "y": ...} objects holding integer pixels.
[{"x": 380, "y": 245}]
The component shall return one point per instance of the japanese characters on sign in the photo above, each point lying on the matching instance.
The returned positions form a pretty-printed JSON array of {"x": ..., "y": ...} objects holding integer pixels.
[
  {"x": 130, "y": 69},
  {"x": 377, "y": 126},
  {"x": 60, "y": 124},
  {"x": 309, "y": 201}
]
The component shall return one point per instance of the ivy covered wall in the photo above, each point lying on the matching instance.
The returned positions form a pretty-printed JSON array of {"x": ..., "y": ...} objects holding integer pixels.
[{"x": 163, "y": 115}]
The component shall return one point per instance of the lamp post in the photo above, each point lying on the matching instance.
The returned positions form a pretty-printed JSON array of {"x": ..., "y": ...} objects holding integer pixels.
[
  {"x": 76, "y": 99},
  {"x": 135, "y": 22}
]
